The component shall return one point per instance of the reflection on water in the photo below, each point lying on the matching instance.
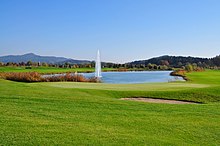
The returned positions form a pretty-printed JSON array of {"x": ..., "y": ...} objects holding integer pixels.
[{"x": 136, "y": 77}]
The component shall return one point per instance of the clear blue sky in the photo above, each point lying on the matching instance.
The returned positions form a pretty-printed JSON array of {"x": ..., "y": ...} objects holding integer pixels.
[{"x": 124, "y": 30}]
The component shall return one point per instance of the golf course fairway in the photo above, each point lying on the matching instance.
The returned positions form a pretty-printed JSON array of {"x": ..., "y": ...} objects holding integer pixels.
[{"x": 67, "y": 113}]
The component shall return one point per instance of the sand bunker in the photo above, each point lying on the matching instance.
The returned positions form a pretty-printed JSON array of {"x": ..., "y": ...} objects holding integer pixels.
[{"x": 153, "y": 100}]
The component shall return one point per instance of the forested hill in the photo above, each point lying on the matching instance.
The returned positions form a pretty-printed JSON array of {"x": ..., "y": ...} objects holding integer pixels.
[
  {"x": 179, "y": 61},
  {"x": 37, "y": 58}
]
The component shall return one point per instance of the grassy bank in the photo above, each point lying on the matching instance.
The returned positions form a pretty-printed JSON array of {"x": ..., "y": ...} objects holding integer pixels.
[
  {"x": 49, "y": 69},
  {"x": 89, "y": 113}
]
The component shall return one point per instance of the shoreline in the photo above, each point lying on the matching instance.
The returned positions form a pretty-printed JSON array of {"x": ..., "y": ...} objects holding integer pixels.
[{"x": 179, "y": 74}]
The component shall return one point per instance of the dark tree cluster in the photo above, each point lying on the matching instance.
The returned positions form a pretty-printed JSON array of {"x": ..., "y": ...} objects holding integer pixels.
[{"x": 182, "y": 62}]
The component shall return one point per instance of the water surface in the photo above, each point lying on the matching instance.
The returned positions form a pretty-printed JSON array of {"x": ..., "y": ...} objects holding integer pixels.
[{"x": 136, "y": 77}]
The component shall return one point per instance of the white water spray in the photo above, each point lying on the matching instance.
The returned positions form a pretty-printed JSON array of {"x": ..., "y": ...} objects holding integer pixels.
[{"x": 98, "y": 66}]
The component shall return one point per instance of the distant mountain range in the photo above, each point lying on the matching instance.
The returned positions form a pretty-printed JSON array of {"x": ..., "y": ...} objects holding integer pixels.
[
  {"x": 173, "y": 61},
  {"x": 37, "y": 58}
]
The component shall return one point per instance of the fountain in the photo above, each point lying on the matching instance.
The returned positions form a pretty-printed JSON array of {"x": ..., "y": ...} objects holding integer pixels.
[{"x": 98, "y": 66}]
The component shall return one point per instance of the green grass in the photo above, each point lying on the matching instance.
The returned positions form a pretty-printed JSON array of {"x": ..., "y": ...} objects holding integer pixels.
[
  {"x": 46, "y": 70},
  {"x": 92, "y": 114},
  {"x": 49, "y": 69}
]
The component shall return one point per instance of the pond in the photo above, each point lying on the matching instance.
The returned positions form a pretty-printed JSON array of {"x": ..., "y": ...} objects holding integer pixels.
[
  {"x": 136, "y": 77},
  {"x": 132, "y": 77}
]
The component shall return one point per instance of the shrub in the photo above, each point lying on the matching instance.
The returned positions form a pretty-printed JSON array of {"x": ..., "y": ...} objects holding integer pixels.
[
  {"x": 36, "y": 77},
  {"x": 28, "y": 67},
  {"x": 22, "y": 77},
  {"x": 94, "y": 80}
]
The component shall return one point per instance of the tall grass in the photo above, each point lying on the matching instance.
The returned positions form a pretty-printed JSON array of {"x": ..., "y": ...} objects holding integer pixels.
[{"x": 36, "y": 77}]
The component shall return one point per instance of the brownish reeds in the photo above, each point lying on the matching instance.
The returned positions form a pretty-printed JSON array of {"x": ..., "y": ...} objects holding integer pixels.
[
  {"x": 36, "y": 77},
  {"x": 22, "y": 77},
  {"x": 180, "y": 73}
]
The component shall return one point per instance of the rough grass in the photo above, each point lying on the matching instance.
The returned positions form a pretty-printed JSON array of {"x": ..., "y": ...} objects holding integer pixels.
[
  {"x": 72, "y": 114},
  {"x": 31, "y": 77}
]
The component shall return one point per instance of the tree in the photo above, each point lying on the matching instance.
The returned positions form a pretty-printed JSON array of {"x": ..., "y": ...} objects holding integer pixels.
[
  {"x": 155, "y": 67},
  {"x": 1, "y": 63},
  {"x": 44, "y": 64},
  {"x": 163, "y": 67},
  {"x": 150, "y": 66},
  {"x": 165, "y": 62},
  {"x": 180, "y": 64},
  {"x": 216, "y": 60},
  {"x": 9, "y": 64},
  {"x": 29, "y": 63},
  {"x": 189, "y": 67},
  {"x": 194, "y": 65}
]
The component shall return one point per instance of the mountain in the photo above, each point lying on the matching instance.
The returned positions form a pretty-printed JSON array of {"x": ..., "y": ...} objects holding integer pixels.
[
  {"x": 175, "y": 61},
  {"x": 37, "y": 58},
  {"x": 73, "y": 61}
]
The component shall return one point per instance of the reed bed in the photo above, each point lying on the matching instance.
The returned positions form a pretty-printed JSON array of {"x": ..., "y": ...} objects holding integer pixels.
[{"x": 37, "y": 77}]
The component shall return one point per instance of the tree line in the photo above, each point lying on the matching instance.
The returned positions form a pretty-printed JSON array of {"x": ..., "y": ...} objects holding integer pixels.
[{"x": 157, "y": 63}]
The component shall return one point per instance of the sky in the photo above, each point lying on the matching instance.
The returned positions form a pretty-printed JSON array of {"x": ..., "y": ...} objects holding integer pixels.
[{"x": 123, "y": 30}]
